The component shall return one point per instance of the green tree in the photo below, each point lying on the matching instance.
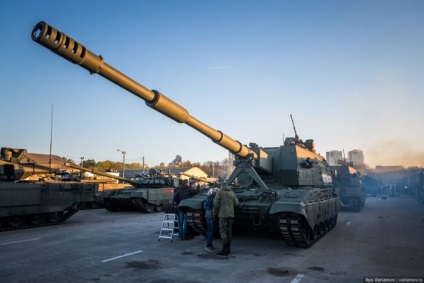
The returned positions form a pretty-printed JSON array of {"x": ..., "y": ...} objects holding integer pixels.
[
  {"x": 89, "y": 163},
  {"x": 104, "y": 165}
]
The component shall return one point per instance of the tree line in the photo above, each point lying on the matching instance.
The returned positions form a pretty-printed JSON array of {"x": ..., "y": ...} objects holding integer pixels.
[{"x": 212, "y": 168}]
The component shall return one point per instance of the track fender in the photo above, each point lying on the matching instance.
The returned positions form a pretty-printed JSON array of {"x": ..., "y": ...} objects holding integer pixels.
[{"x": 284, "y": 206}]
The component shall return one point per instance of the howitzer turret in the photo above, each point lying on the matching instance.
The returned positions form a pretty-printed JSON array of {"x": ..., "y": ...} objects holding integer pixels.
[{"x": 286, "y": 186}]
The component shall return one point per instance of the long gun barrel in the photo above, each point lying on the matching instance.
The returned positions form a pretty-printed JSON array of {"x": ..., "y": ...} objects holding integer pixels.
[
  {"x": 71, "y": 50},
  {"x": 100, "y": 173}
]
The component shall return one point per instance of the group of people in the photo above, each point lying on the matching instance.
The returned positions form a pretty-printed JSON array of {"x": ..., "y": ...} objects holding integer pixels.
[{"x": 219, "y": 205}]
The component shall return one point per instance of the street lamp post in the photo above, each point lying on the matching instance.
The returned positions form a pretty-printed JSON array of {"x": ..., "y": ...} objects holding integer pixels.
[
  {"x": 123, "y": 159},
  {"x": 82, "y": 165}
]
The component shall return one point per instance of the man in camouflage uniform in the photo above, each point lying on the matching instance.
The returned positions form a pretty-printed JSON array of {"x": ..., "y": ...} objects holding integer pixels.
[{"x": 223, "y": 208}]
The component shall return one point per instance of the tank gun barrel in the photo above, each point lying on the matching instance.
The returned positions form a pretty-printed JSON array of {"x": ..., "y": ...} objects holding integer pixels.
[
  {"x": 198, "y": 178},
  {"x": 66, "y": 47},
  {"x": 100, "y": 173}
]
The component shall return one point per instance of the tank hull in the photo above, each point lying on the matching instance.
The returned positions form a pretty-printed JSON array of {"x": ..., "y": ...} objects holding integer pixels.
[
  {"x": 37, "y": 204},
  {"x": 300, "y": 216},
  {"x": 353, "y": 198},
  {"x": 145, "y": 200}
]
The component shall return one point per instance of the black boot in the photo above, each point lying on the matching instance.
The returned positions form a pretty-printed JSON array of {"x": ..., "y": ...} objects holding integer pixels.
[
  {"x": 224, "y": 251},
  {"x": 228, "y": 247}
]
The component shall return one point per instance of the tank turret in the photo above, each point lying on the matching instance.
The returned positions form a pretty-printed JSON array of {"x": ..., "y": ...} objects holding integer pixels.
[
  {"x": 15, "y": 166},
  {"x": 151, "y": 193},
  {"x": 288, "y": 186}
]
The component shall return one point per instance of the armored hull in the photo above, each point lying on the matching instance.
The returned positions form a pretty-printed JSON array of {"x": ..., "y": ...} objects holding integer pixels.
[
  {"x": 146, "y": 194},
  {"x": 353, "y": 198},
  {"x": 25, "y": 203},
  {"x": 37, "y": 204},
  {"x": 300, "y": 204},
  {"x": 152, "y": 194},
  {"x": 300, "y": 216},
  {"x": 349, "y": 181}
]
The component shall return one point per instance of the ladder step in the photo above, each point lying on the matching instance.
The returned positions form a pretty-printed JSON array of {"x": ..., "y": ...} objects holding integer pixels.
[
  {"x": 169, "y": 227},
  {"x": 165, "y": 237}
]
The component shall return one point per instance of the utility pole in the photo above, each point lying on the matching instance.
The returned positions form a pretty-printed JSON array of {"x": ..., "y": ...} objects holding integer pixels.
[{"x": 123, "y": 159}]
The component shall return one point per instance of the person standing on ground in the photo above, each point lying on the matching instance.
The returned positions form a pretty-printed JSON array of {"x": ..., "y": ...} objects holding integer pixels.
[
  {"x": 184, "y": 192},
  {"x": 210, "y": 219},
  {"x": 223, "y": 208}
]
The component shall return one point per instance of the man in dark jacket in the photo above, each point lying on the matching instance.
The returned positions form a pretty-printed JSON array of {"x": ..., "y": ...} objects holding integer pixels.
[
  {"x": 223, "y": 208},
  {"x": 184, "y": 192}
]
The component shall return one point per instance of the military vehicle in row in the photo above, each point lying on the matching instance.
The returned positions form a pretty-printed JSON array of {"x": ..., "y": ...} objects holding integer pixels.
[
  {"x": 148, "y": 193},
  {"x": 284, "y": 188},
  {"x": 28, "y": 203},
  {"x": 413, "y": 184},
  {"x": 349, "y": 181}
]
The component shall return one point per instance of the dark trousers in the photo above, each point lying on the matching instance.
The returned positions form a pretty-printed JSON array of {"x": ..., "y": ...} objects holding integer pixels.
[
  {"x": 226, "y": 229},
  {"x": 210, "y": 221},
  {"x": 182, "y": 224}
]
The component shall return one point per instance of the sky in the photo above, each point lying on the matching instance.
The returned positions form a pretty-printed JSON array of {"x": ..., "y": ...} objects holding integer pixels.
[{"x": 350, "y": 72}]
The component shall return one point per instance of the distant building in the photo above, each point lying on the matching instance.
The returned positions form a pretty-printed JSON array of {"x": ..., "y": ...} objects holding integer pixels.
[
  {"x": 356, "y": 156},
  {"x": 383, "y": 169},
  {"x": 333, "y": 157},
  {"x": 44, "y": 159}
]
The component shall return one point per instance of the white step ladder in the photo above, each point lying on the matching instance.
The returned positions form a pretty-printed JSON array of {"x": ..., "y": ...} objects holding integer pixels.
[{"x": 169, "y": 226}]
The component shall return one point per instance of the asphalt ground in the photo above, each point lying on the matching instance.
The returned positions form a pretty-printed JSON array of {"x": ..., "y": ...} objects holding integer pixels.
[{"x": 385, "y": 240}]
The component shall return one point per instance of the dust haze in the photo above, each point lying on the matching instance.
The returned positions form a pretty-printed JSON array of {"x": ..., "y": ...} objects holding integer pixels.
[{"x": 392, "y": 153}]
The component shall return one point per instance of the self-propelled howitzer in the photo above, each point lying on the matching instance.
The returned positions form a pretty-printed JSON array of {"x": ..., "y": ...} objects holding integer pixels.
[{"x": 286, "y": 188}]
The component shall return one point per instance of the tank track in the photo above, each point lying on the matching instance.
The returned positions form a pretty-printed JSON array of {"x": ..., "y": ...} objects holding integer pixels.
[
  {"x": 137, "y": 204},
  {"x": 66, "y": 214},
  {"x": 293, "y": 228},
  {"x": 296, "y": 232},
  {"x": 196, "y": 221}
]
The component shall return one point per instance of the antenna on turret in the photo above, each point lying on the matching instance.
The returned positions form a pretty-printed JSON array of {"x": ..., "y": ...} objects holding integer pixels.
[{"x": 294, "y": 128}]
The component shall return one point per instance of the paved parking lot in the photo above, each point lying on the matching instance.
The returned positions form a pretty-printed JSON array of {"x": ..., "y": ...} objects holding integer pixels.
[{"x": 385, "y": 239}]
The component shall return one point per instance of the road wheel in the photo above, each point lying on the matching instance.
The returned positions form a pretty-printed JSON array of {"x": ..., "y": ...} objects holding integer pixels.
[
  {"x": 159, "y": 208},
  {"x": 17, "y": 221},
  {"x": 148, "y": 207},
  {"x": 36, "y": 219},
  {"x": 54, "y": 217},
  {"x": 306, "y": 232},
  {"x": 354, "y": 205},
  {"x": 94, "y": 204},
  {"x": 139, "y": 204}
]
